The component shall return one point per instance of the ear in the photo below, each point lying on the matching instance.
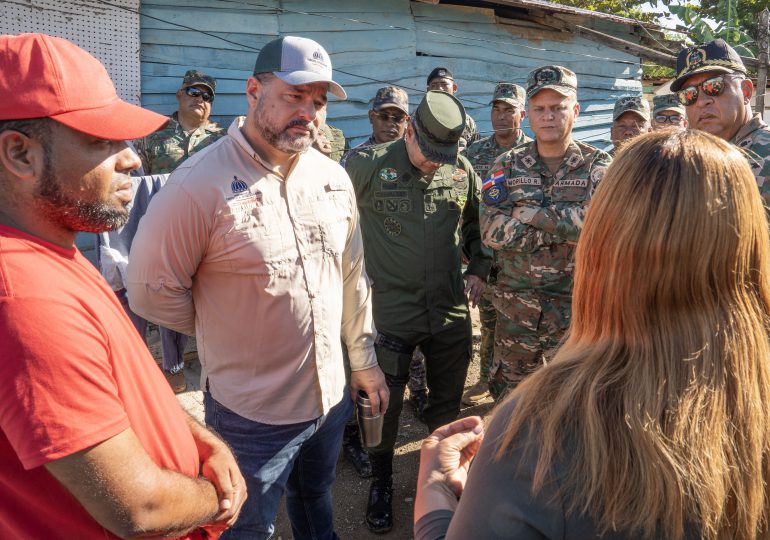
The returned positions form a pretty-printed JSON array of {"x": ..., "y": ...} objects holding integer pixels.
[
  {"x": 747, "y": 87},
  {"x": 371, "y": 116},
  {"x": 454, "y": 88},
  {"x": 577, "y": 109},
  {"x": 253, "y": 88},
  {"x": 523, "y": 114},
  {"x": 21, "y": 156}
]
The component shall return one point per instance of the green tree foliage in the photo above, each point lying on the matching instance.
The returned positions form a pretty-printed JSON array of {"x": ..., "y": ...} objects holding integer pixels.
[
  {"x": 624, "y": 8},
  {"x": 744, "y": 13},
  {"x": 726, "y": 19}
]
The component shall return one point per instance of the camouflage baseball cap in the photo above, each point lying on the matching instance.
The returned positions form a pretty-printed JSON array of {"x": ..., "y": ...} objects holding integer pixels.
[
  {"x": 510, "y": 93},
  {"x": 440, "y": 73},
  {"x": 633, "y": 104},
  {"x": 389, "y": 97},
  {"x": 194, "y": 77},
  {"x": 715, "y": 56},
  {"x": 438, "y": 124},
  {"x": 556, "y": 78},
  {"x": 666, "y": 102}
]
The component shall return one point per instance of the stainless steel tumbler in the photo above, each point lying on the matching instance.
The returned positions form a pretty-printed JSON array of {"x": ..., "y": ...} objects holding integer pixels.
[{"x": 369, "y": 425}]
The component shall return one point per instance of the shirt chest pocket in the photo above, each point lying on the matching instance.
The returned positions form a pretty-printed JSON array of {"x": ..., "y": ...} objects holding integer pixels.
[
  {"x": 570, "y": 191},
  {"x": 251, "y": 238},
  {"x": 333, "y": 211}
]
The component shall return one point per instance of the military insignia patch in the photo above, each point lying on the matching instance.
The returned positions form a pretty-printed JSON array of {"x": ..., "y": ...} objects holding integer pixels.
[
  {"x": 459, "y": 175},
  {"x": 597, "y": 174},
  {"x": 695, "y": 57},
  {"x": 494, "y": 178},
  {"x": 574, "y": 161},
  {"x": 528, "y": 161},
  {"x": 238, "y": 185},
  {"x": 496, "y": 194},
  {"x": 392, "y": 226},
  {"x": 546, "y": 75},
  {"x": 388, "y": 175}
]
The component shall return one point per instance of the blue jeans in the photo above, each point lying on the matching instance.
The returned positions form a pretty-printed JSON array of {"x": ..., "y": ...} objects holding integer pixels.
[{"x": 299, "y": 459}]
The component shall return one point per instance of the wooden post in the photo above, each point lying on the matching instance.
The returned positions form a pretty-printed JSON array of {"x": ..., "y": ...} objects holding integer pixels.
[{"x": 764, "y": 19}]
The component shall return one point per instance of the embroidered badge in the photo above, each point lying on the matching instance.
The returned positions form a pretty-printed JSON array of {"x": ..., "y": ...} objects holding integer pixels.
[
  {"x": 404, "y": 206},
  {"x": 528, "y": 161},
  {"x": 597, "y": 174},
  {"x": 238, "y": 185},
  {"x": 695, "y": 57},
  {"x": 547, "y": 75},
  {"x": 496, "y": 194},
  {"x": 492, "y": 179},
  {"x": 571, "y": 182},
  {"x": 388, "y": 175},
  {"x": 574, "y": 160},
  {"x": 524, "y": 181},
  {"x": 459, "y": 175},
  {"x": 392, "y": 226}
]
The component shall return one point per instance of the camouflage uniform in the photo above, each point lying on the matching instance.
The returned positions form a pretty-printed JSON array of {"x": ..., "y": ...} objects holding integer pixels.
[
  {"x": 535, "y": 254},
  {"x": 470, "y": 133},
  {"x": 482, "y": 154},
  {"x": 162, "y": 151},
  {"x": 361, "y": 146},
  {"x": 754, "y": 139},
  {"x": 338, "y": 141}
]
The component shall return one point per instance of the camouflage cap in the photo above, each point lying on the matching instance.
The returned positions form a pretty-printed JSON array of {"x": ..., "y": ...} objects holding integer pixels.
[
  {"x": 667, "y": 102},
  {"x": 556, "y": 78},
  {"x": 633, "y": 104},
  {"x": 438, "y": 124},
  {"x": 194, "y": 77},
  {"x": 509, "y": 93},
  {"x": 393, "y": 97},
  {"x": 440, "y": 73},
  {"x": 716, "y": 56}
]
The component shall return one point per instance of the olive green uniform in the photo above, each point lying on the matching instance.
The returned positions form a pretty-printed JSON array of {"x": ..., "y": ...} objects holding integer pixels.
[
  {"x": 535, "y": 253},
  {"x": 414, "y": 230},
  {"x": 482, "y": 155}
]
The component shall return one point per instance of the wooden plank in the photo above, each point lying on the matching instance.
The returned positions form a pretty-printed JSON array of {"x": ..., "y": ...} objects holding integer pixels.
[
  {"x": 261, "y": 6},
  {"x": 153, "y": 69},
  {"x": 400, "y": 42},
  {"x": 291, "y": 23},
  {"x": 221, "y": 40},
  {"x": 200, "y": 58},
  {"x": 347, "y": 7},
  {"x": 224, "y": 20}
]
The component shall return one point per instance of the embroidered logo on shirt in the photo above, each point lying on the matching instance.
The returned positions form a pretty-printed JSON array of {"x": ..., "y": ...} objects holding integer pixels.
[
  {"x": 238, "y": 185},
  {"x": 493, "y": 178},
  {"x": 528, "y": 161},
  {"x": 496, "y": 194},
  {"x": 392, "y": 226},
  {"x": 388, "y": 175},
  {"x": 571, "y": 182}
]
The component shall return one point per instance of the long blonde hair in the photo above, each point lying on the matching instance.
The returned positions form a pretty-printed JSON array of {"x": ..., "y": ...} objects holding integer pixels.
[{"x": 663, "y": 382}]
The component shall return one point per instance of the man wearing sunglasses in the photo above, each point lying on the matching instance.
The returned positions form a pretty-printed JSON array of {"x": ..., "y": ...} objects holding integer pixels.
[
  {"x": 188, "y": 131},
  {"x": 630, "y": 117},
  {"x": 667, "y": 112},
  {"x": 711, "y": 83}
]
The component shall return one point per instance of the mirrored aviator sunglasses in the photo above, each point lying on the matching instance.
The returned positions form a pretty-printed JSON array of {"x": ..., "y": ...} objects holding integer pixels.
[
  {"x": 194, "y": 92},
  {"x": 711, "y": 87}
]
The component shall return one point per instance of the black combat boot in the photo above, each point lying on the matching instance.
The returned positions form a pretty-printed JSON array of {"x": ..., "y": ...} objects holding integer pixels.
[
  {"x": 379, "y": 508},
  {"x": 354, "y": 451},
  {"x": 419, "y": 399}
]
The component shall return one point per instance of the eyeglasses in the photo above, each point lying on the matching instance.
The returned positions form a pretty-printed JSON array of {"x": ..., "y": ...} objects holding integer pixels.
[
  {"x": 194, "y": 92},
  {"x": 711, "y": 87},
  {"x": 663, "y": 118},
  {"x": 395, "y": 118}
]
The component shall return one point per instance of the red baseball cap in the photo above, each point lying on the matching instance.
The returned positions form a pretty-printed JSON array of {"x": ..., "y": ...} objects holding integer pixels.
[{"x": 50, "y": 77}]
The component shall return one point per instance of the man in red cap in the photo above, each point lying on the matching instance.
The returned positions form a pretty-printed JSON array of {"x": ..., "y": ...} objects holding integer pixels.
[{"x": 93, "y": 443}]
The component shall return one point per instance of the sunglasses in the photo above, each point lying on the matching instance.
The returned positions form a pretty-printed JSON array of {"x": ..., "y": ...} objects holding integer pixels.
[
  {"x": 194, "y": 92},
  {"x": 711, "y": 87},
  {"x": 395, "y": 118},
  {"x": 663, "y": 118}
]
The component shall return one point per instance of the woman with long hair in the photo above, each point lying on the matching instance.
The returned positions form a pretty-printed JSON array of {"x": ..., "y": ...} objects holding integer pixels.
[{"x": 653, "y": 419}]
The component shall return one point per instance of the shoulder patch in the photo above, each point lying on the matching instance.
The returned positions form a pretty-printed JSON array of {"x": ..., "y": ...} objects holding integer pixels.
[
  {"x": 496, "y": 194},
  {"x": 598, "y": 174},
  {"x": 493, "y": 178}
]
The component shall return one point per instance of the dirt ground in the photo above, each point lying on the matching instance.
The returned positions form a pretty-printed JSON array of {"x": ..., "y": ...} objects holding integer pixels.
[{"x": 350, "y": 492}]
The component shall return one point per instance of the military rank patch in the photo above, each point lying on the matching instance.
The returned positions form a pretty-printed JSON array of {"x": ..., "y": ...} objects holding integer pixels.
[
  {"x": 574, "y": 161},
  {"x": 496, "y": 194},
  {"x": 388, "y": 175},
  {"x": 528, "y": 161},
  {"x": 392, "y": 226}
]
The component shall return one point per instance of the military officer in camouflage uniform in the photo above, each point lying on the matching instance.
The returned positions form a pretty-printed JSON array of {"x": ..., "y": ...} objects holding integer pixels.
[
  {"x": 534, "y": 201},
  {"x": 188, "y": 131},
  {"x": 388, "y": 116},
  {"x": 418, "y": 203},
  {"x": 630, "y": 117},
  {"x": 329, "y": 140},
  {"x": 507, "y": 113},
  {"x": 667, "y": 112},
  {"x": 442, "y": 80},
  {"x": 712, "y": 85}
]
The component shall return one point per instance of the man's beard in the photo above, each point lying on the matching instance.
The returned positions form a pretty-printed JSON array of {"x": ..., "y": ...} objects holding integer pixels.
[
  {"x": 77, "y": 215},
  {"x": 280, "y": 138}
]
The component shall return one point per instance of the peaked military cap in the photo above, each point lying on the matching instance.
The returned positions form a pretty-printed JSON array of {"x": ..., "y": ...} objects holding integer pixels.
[
  {"x": 193, "y": 77},
  {"x": 440, "y": 73},
  {"x": 556, "y": 78},
  {"x": 633, "y": 104},
  {"x": 438, "y": 123},
  {"x": 667, "y": 102},
  {"x": 509, "y": 93},
  {"x": 715, "y": 56},
  {"x": 391, "y": 96}
]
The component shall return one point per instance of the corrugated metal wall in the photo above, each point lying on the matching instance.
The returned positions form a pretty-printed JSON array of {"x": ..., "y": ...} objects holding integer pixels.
[{"x": 373, "y": 44}]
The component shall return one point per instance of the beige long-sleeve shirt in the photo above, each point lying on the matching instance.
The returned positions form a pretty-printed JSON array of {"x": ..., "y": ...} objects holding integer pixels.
[{"x": 267, "y": 271}]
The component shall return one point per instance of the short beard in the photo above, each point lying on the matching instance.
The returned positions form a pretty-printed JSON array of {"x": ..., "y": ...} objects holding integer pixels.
[
  {"x": 76, "y": 215},
  {"x": 280, "y": 139}
]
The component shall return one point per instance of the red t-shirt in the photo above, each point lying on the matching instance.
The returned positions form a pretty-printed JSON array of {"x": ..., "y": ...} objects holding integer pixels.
[{"x": 73, "y": 373}]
